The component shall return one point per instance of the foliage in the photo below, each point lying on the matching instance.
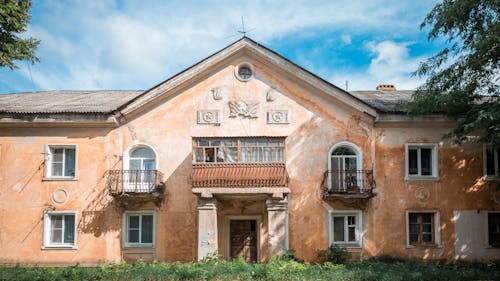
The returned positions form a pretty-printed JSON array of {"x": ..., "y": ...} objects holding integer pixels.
[
  {"x": 463, "y": 78},
  {"x": 334, "y": 254},
  {"x": 14, "y": 18},
  {"x": 274, "y": 270}
]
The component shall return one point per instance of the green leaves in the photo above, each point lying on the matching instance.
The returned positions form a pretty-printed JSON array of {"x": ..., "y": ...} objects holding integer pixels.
[
  {"x": 463, "y": 80},
  {"x": 14, "y": 18}
]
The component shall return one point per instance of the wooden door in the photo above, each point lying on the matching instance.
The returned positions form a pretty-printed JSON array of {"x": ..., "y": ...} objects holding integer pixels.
[{"x": 243, "y": 235}]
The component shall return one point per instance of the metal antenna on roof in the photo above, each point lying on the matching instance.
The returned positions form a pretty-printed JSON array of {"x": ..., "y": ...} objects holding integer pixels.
[
  {"x": 346, "y": 85},
  {"x": 243, "y": 31}
]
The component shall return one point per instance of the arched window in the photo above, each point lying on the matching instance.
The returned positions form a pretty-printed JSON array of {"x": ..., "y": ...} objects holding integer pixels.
[
  {"x": 142, "y": 158},
  {"x": 344, "y": 168},
  {"x": 139, "y": 165}
]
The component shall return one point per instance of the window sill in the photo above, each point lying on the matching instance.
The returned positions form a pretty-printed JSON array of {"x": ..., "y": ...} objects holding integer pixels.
[
  {"x": 421, "y": 178},
  {"x": 424, "y": 246},
  {"x": 59, "y": 179},
  {"x": 491, "y": 178},
  {"x": 137, "y": 246},
  {"x": 348, "y": 245},
  {"x": 62, "y": 247}
]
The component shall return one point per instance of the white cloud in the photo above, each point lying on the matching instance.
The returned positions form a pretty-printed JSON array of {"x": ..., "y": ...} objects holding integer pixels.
[
  {"x": 391, "y": 64},
  {"x": 129, "y": 45},
  {"x": 346, "y": 39}
]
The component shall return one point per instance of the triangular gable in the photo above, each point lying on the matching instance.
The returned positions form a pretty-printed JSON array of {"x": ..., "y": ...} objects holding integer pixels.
[{"x": 245, "y": 44}]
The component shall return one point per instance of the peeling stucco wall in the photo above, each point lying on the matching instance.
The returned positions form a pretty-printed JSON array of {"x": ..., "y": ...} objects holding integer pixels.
[{"x": 317, "y": 121}]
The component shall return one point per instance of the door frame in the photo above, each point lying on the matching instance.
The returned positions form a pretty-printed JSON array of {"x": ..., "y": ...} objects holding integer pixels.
[{"x": 227, "y": 232}]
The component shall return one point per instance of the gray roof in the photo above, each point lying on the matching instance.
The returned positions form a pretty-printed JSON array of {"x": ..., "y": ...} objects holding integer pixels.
[
  {"x": 108, "y": 101},
  {"x": 385, "y": 101},
  {"x": 65, "y": 101}
]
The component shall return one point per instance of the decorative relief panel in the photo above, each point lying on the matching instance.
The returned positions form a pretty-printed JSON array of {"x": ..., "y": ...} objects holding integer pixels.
[
  {"x": 277, "y": 117},
  {"x": 208, "y": 117},
  {"x": 216, "y": 93},
  {"x": 271, "y": 95},
  {"x": 244, "y": 108}
]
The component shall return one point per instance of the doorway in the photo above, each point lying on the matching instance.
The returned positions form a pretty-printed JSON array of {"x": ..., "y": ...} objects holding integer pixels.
[{"x": 243, "y": 239}]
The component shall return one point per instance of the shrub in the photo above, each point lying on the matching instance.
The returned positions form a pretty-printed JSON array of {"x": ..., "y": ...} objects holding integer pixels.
[{"x": 334, "y": 254}]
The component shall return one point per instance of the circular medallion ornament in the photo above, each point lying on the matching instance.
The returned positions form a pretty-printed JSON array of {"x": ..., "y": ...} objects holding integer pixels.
[
  {"x": 208, "y": 117},
  {"x": 422, "y": 194},
  {"x": 277, "y": 116},
  {"x": 60, "y": 196}
]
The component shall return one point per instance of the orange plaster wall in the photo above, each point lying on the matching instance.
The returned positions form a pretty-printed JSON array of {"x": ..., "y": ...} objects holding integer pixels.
[{"x": 317, "y": 122}]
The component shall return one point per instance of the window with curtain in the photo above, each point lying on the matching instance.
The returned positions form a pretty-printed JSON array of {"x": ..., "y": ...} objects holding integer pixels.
[
  {"x": 61, "y": 162},
  {"x": 139, "y": 229},
  {"x": 233, "y": 150},
  {"x": 60, "y": 229},
  {"x": 142, "y": 158}
]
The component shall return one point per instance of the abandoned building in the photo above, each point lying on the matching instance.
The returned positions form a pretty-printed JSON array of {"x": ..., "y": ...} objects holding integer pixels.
[{"x": 242, "y": 154}]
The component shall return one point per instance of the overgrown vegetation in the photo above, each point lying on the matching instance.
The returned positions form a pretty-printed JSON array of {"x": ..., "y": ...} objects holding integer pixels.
[
  {"x": 334, "y": 254},
  {"x": 463, "y": 78},
  {"x": 276, "y": 269}
]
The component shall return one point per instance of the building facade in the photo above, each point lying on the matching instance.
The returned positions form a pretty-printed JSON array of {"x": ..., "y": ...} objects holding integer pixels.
[{"x": 243, "y": 154}]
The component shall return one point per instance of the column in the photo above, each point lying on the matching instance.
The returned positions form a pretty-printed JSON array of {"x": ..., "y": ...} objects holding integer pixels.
[
  {"x": 277, "y": 226},
  {"x": 207, "y": 227}
]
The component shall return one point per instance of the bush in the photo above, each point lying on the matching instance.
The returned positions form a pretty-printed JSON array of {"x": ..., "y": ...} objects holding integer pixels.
[
  {"x": 274, "y": 270},
  {"x": 334, "y": 254}
]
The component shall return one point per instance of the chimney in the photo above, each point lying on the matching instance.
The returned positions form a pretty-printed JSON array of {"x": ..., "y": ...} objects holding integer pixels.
[{"x": 386, "y": 87}]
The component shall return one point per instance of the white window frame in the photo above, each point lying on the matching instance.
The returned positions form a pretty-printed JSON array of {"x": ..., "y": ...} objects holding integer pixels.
[
  {"x": 359, "y": 228},
  {"x": 131, "y": 148},
  {"x": 437, "y": 229},
  {"x": 47, "y": 225},
  {"x": 496, "y": 155},
  {"x": 359, "y": 160},
  {"x": 125, "y": 228},
  {"x": 48, "y": 161},
  {"x": 434, "y": 161}
]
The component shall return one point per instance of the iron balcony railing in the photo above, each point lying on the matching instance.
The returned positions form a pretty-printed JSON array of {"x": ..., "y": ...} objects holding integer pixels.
[
  {"x": 239, "y": 175},
  {"x": 133, "y": 181},
  {"x": 348, "y": 182}
]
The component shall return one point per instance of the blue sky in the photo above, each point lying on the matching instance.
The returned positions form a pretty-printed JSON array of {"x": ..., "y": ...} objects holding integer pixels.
[{"x": 112, "y": 44}]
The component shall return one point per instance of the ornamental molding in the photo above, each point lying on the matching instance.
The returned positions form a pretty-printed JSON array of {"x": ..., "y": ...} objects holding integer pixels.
[
  {"x": 277, "y": 117},
  {"x": 243, "y": 108},
  {"x": 271, "y": 95},
  {"x": 217, "y": 93},
  {"x": 208, "y": 117}
]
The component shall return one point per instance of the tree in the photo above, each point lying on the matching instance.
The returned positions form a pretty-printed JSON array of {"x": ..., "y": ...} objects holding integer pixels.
[
  {"x": 14, "y": 18},
  {"x": 463, "y": 78}
]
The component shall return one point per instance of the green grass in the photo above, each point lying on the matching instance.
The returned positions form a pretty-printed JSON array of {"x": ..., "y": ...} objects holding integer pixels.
[{"x": 274, "y": 270}]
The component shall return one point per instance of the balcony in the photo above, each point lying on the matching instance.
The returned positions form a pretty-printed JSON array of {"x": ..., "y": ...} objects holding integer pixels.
[
  {"x": 240, "y": 178},
  {"x": 140, "y": 184},
  {"x": 348, "y": 184}
]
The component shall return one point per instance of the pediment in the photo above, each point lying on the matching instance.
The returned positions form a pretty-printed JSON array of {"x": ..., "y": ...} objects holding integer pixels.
[{"x": 239, "y": 51}]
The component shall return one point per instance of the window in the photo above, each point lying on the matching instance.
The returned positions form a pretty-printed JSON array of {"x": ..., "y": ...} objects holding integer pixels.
[
  {"x": 344, "y": 167},
  {"x": 59, "y": 229},
  {"x": 61, "y": 162},
  {"x": 421, "y": 161},
  {"x": 139, "y": 229},
  {"x": 345, "y": 228},
  {"x": 421, "y": 228},
  {"x": 494, "y": 229},
  {"x": 491, "y": 162},
  {"x": 244, "y": 71},
  {"x": 232, "y": 150},
  {"x": 142, "y": 158}
]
